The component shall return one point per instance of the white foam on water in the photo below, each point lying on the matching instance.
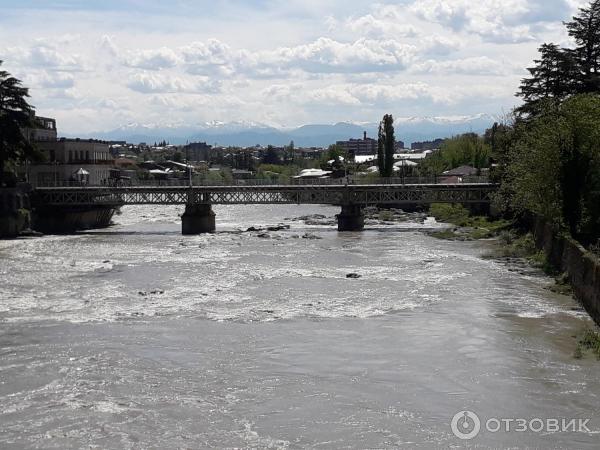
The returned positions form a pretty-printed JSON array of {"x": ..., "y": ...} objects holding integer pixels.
[
  {"x": 142, "y": 268},
  {"x": 254, "y": 440}
]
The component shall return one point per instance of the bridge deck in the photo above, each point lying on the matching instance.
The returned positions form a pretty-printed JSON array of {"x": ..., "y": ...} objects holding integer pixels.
[{"x": 268, "y": 194}]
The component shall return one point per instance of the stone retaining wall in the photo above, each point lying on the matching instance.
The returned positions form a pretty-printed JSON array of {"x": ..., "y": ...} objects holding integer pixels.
[{"x": 569, "y": 256}]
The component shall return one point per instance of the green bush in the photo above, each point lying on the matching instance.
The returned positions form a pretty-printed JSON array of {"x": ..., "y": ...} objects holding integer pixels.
[
  {"x": 455, "y": 214},
  {"x": 482, "y": 227},
  {"x": 386, "y": 215},
  {"x": 590, "y": 342}
]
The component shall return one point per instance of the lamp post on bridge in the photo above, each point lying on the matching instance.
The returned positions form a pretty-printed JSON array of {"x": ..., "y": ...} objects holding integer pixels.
[
  {"x": 402, "y": 170},
  {"x": 188, "y": 167}
]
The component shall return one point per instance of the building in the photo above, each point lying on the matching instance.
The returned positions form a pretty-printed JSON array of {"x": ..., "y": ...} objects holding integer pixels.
[
  {"x": 240, "y": 174},
  {"x": 67, "y": 161},
  {"x": 458, "y": 174},
  {"x": 198, "y": 151},
  {"x": 354, "y": 147},
  {"x": 427, "y": 145},
  {"x": 72, "y": 161},
  {"x": 399, "y": 146},
  {"x": 43, "y": 130}
]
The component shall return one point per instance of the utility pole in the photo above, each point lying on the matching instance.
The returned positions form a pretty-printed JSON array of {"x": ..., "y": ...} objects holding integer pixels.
[
  {"x": 402, "y": 170},
  {"x": 187, "y": 163}
]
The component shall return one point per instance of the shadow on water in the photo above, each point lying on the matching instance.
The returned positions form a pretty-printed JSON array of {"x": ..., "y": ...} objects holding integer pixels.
[
  {"x": 128, "y": 233},
  {"x": 387, "y": 229}
]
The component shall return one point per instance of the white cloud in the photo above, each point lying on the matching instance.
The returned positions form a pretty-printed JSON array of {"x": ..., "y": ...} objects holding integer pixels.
[
  {"x": 436, "y": 45},
  {"x": 302, "y": 95},
  {"x": 212, "y": 57},
  {"x": 46, "y": 79},
  {"x": 479, "y": 65},
  {"x": 389, "y": 94},
  {"x": 150, "y": 82},
  {"x": 354, "y": 94},
  {"x": 153, "y": 59},
  {"x": 324, "y": 55},
  {"x": 107, "y": 43},
  {"x": 327, "y": 55},
  {"x": 187, "y": 103},
  {"x": 502, "y": 21},
  {"x": 380, "y": 25},
  {"x": 43, "y": 54}
]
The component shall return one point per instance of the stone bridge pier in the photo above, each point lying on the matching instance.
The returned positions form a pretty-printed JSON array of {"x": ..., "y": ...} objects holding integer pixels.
[
  {"x": 351, "y": 218},
  {"x": 198, "y": 218}
]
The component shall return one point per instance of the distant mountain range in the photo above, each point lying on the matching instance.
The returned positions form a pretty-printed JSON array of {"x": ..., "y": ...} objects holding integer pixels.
[{"x": 248, "y": 134}]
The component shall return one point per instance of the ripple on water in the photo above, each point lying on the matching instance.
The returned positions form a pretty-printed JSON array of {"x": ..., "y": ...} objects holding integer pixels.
[{"x": 131, "y": 273}]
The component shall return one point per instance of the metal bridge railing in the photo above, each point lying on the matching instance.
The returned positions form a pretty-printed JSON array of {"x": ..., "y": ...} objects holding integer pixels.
[{"x": 268, "y": 182}]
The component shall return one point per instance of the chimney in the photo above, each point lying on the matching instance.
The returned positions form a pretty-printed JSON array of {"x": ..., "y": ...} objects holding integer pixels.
[{"x": 365, "y": 135}]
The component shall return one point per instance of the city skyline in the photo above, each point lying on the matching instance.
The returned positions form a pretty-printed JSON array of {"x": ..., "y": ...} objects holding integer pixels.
[{"x": 96, "y": 66}]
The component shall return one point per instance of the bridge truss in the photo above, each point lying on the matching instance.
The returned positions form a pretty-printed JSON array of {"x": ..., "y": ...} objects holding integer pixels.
[{"x": 364, "y": 195}]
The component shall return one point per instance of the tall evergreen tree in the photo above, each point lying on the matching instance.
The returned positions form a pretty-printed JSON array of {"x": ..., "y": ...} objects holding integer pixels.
[
  {"x": 15, "y": 114},
  {"x": 271, "y": 156},
  {"x": 386, "y": 146},
  {"x": 553, "y": 78},
  {"x": 585, "y": 29},
  {"x": 381, "y": 150}
]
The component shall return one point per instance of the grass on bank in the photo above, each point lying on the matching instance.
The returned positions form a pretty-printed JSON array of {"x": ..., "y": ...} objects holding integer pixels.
[
  {"x": 589, "y": 343},
  {"x": 511, "y": 244},
  {"x": 472, "y": 227}
]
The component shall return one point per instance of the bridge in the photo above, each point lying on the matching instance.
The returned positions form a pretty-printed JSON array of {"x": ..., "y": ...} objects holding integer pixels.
[{"x": 200, "y": 218}]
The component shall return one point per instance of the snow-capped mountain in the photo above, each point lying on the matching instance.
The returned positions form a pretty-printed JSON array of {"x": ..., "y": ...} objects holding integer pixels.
[{"x": 409, "y": 129}]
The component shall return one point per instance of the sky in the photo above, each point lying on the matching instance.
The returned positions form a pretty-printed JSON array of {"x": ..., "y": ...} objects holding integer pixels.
[{"x": 97, "y": 65}]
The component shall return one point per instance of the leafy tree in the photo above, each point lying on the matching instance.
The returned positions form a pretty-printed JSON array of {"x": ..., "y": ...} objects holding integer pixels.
[
  {"x": 15, "y": 114},
  {"x": 500, "y": 140},
  {"x": 433, "y": 165},
  {"x": 336, "y": 154},
  {"x": 548, "y": 160},
  {"x": 466, "y": 149},
  {"x": 178, "y": 157},
  {"x": 386, "y": 146},
  {"x": 554, "y": 167}
]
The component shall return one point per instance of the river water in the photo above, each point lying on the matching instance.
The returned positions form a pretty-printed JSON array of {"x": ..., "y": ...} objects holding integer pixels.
[{"x": 138, "y": 337}]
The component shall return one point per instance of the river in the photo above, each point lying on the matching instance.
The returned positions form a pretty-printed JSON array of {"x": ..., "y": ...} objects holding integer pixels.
[{"x": 138, "y": 337}]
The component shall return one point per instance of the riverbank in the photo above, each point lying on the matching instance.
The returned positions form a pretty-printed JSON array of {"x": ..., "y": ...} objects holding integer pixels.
[
  {"x": 566, "y": 255},
  {"x": 576, "y": 271},
  {"x": 466, "y": 226}
]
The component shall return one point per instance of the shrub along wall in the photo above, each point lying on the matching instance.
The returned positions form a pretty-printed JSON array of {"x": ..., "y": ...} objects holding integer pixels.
[{"x": 582, "y": 267}]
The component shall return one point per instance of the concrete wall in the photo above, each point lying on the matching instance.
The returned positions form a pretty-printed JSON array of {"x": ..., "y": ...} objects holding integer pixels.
[
  {"x": 582, "y": 267},
  {"x": 70, "y": 219},
  {"x": 14, "y": 211}
]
